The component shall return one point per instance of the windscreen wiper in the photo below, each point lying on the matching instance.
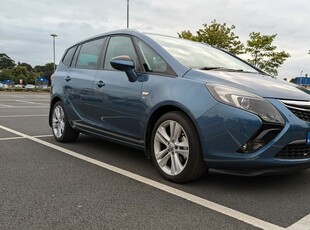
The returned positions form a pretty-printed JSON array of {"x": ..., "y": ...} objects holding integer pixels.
[
  {"x": 225, "y": 69},
  {"x": 221, "y": 68}
]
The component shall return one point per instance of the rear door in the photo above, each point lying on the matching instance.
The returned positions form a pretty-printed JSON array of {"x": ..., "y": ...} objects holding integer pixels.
[{"x": 80, "y": 80}]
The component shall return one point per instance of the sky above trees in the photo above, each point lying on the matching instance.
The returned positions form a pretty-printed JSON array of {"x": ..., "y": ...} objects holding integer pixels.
[{"x": 25, "y": 26}]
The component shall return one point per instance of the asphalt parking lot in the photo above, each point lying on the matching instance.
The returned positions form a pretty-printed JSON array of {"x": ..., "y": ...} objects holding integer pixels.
[{"x": 94, "y": 184}]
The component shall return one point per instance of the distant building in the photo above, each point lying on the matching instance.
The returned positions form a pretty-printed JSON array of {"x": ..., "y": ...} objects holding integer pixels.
[
  {"x": 41, "y": 82},
  {"x": 304, "y": 81}
]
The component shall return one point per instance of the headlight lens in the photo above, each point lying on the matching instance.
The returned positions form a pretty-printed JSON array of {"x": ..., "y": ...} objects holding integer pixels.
[{"x": 247, "y": 101}]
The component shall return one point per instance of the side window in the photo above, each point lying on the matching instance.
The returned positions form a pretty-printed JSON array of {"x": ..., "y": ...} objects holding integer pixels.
[
  {"x": 90, "y": 54},
  {"x": 152, "y": 62},
  {"x": 119, "y": 46},
  {"x": 69, "y": 55}
]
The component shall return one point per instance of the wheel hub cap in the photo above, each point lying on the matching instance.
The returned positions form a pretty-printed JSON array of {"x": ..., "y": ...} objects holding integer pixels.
[{"x": 171, "y": 147}]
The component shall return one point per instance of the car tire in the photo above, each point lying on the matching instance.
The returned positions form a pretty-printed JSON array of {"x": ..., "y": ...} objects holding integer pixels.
[
  {"x": 62, "y": 130},
  {"x": 176, "y": 149}
]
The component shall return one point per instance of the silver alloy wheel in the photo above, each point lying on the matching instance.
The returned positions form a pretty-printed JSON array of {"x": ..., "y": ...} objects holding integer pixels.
[
  {"x": 171, "y": 147},
  {"x": 58, "y": 121}
]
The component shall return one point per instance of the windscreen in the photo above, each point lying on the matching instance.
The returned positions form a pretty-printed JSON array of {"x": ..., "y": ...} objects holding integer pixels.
[{"x": 199, "y": 55}]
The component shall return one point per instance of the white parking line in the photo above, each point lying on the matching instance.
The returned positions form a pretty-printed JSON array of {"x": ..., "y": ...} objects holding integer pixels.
[
  {"x": 16, "y": 116},
  {"x": 16, "y": 138},
  {"x": 40, "y": 136},
  {"x": 7, "y": 106},
  {"x": 26, "y": 107},
  {"x": 304, "y": 224},
  {"x": 32, "y": 103},
  {"x": 11, "y": 138},
  {"x": 27, "y": 102},
  {"x": 176, "y": 192}
]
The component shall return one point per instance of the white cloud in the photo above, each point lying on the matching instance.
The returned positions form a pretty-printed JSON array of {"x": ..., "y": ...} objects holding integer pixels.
[{"x": 25, "y": 26}]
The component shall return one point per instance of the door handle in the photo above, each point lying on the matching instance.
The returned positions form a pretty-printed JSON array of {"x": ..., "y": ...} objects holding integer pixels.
[
  {"x": 68, "y": 78},
  {"x": 100, "y": 84}
]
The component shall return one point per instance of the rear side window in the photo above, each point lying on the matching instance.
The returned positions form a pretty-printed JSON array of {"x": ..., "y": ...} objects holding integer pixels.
[
  {"x": 69, "y": 55},
  {"x": 90, "y": 54}
]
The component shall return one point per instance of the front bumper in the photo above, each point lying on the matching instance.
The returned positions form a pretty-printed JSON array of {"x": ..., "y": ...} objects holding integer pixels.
[{"x": 224, "y": 130}]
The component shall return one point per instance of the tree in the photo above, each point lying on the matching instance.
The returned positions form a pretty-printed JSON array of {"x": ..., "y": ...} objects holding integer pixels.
[
  {"x": 6, "y": 61},
  {"x": 45, "y": 71},
  {"x": 6, "y": 74},
  {"x": 28, "y": 66},
  {"x": 217, "y": 35},
  {"x": 19, "y": 73},
  {"x": 263, "y": 53}
]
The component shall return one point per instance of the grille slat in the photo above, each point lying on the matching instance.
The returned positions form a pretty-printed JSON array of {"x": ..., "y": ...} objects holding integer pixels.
[
  {"x": 300, "y": 108},
  {"x": 294, "y": 152}
]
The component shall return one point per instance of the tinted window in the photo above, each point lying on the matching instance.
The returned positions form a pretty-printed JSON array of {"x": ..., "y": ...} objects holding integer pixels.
[
  {"x": 67, "y": 59},
  {"x": 89, "y": 54},
  {"x": 119, "y": 46},
  {"x": 152, "y": 62}
]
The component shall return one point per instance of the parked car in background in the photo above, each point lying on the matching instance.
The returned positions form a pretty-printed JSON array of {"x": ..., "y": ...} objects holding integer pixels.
[
  {"x": 29, "y": 86},
  {"x": 19, "y": 86},
  {"x": 189, "y": 106}
]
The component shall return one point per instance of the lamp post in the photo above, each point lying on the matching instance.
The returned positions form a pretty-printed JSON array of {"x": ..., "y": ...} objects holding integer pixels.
[
  {"x": 54, "y": 36},
  {"x": 127, "y": 13}
]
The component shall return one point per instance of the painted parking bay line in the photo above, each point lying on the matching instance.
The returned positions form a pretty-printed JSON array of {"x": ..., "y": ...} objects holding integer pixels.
[
  {"x": 6, "y": 106},
  {"x": 24, "y": 115},
  {"x": 20, "y": 137},
  {"x": 25, "y": 107},
  {"x": 27, "y": 102},
  {"x": 176, "y": 192},
  {"x": 304, "y": 223}
]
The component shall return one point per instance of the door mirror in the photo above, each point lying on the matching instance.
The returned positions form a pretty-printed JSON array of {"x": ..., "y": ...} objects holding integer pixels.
[{"x": 125, "y": 63}]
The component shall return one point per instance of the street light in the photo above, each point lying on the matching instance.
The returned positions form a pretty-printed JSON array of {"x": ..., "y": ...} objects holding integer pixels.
[
  {"x": 54, "y": 35},
  {"x": 127, "y": 13}
]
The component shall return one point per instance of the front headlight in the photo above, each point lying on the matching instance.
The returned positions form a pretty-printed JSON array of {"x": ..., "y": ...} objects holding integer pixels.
[{"x": 247, "y": 101}]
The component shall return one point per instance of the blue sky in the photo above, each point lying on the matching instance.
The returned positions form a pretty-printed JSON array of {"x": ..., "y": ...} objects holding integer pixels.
[{"x": 25, "y": 26}]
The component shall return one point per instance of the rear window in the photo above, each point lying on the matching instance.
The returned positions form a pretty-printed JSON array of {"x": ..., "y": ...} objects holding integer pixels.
[
  {"x": 90, "y": 54},
  {"x": 69, "y": 55}
]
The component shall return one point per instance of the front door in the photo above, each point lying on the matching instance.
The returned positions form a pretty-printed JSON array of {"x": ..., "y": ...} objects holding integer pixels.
[{"x": 117, "y": 104}]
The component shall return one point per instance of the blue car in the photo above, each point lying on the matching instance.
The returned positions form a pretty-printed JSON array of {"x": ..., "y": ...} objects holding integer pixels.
[{"x": 189, "y": 106}]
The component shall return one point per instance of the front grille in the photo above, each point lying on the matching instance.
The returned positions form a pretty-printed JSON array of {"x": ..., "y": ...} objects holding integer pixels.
[
  {"x": 300, "y": 151},
  {"x": 303, "y": 115},
  {"x": 300, "y": 108}
]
